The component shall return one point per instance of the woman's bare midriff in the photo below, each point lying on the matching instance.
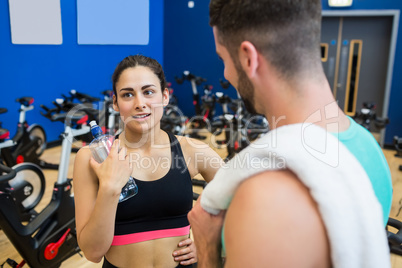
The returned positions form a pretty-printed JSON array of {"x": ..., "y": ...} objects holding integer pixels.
[{"x": 148, "y": 254}]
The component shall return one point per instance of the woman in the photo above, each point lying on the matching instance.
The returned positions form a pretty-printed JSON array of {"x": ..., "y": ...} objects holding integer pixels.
[{"x": 150, "y": 229}]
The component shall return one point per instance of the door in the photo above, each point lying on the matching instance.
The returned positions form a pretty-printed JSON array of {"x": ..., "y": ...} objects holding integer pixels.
[{"x": 355, "y": 55}]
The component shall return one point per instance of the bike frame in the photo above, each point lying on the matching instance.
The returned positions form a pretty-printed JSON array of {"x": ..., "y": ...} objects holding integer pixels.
[
  {"x": 50, "y": 238},
  {"x": 22, "y": 148}
]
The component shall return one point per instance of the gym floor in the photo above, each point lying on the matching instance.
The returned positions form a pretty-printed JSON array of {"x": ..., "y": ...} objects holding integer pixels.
[{"x": 53, "y": 154}]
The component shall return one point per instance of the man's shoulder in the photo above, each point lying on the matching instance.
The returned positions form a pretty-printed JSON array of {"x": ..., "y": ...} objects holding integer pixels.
[
  {"x": 273, "y": 186},
  {"x": 262, "y": 216}
]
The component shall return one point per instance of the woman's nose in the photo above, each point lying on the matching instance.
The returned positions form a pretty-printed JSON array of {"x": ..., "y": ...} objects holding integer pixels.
[{"x": 139, "y": 103}]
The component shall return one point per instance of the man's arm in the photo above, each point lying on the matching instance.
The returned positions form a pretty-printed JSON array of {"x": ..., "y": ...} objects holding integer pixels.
[
  {"x": 273, "y": 221},
  {"x": 207, "y": 236}
]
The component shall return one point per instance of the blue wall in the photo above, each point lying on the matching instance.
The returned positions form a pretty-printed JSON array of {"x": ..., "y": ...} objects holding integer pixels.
[
  {"x": 189, "y": 45},
  {"x": 46, "y": 71},
  {"x": 180, "y": 38}
]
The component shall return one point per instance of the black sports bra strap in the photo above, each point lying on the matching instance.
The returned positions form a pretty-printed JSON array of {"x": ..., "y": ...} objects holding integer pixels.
[{"x": 177, "y": 153}]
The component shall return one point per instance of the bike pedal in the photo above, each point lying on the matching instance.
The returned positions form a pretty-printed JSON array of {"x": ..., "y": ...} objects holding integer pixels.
[{"x": 12, "y": 263}]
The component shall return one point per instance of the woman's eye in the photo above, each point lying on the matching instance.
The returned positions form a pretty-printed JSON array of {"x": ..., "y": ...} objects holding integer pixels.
[
  {"x": 127, "y": 95},
  {"x": 148, "y": 92}
]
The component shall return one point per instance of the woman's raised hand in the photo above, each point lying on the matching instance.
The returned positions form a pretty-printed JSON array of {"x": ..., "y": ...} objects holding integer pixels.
[{"x": 113, "y": 173}]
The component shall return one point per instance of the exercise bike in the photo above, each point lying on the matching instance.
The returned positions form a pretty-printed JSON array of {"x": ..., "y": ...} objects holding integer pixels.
[
  {"x": 208, "y": 104},
  {"x": 79, "y": 96},
  {"x": 50, "y": 238},
  {"x": 109, "y": 118},
  {"x": 394, "y": 237},
  {"x": 398, "y": 148},
  {"x": 368, "y": 116},
  {"x": 67, "y": 104},
  {"x": 29, "y": 142},
  {"x": 203, "y": 114},
  {"x": 173, "y": 120},
  {"x": 195, "y": 81},
  {"x": 238, "y": 125},
  {"x": 27, "y": 187}
]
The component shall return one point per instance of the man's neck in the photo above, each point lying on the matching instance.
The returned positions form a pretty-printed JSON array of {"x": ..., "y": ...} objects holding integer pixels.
[{"x": 308, "y": 102}]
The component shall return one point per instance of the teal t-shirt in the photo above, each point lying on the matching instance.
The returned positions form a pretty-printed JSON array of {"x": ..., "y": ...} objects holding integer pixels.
[{"x": 365, "y": 148}]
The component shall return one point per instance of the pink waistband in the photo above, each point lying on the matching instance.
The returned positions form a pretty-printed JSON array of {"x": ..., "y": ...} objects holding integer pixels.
[{"x": 119, "y": 240}]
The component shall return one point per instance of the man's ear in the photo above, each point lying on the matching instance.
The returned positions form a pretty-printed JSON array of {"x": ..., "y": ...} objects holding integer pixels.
[
  {"x": 248, "y": 57},
  {"x": 165, "y": 97},
  {"x": 115, "y": 106}
]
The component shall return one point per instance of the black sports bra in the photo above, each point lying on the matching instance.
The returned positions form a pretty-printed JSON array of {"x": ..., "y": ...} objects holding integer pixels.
[{"x": 160, "y": 208}]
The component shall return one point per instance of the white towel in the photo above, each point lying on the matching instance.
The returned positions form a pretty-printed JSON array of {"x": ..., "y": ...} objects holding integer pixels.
[{"x": 336, "y": 180}]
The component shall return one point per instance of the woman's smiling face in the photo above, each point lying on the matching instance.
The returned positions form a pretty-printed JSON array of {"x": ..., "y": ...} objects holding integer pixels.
[{"x": 140, "y": 99}]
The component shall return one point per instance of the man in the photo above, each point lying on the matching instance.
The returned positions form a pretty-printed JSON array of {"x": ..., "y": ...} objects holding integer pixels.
[{"x": 270, "y": 49}]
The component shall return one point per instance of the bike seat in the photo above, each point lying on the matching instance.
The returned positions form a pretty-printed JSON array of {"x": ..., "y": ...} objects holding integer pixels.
[
  {"x": 4, "y": 134},
  {"x": 3, "y": 110},
  {"x": 26, "y": 101},
  {"x": 74, "y": 118}
]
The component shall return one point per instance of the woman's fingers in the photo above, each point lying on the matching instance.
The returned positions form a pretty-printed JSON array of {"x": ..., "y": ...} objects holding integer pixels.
[
  {"x": 186, "y": 255},
  {"x": 114, "y": 149},
  {"x": 185, "y": 242},
  {"x": 116, "y": 167},
  {"x": 119, "y": 150},
  {"x": 188, "y": 262},
  {"x": 92, "y": 162},
  {"x": 123, "y": 153}
]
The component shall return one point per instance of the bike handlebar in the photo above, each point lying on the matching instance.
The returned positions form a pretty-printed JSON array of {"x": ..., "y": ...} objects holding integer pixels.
[
  {"x": 369, "y": 105},
  {"x": 82, "y": 97},
  {"x": 190, "y": 77},
  {"x": 224, "y": 84},
  {"x": 67, "y": 111}
]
